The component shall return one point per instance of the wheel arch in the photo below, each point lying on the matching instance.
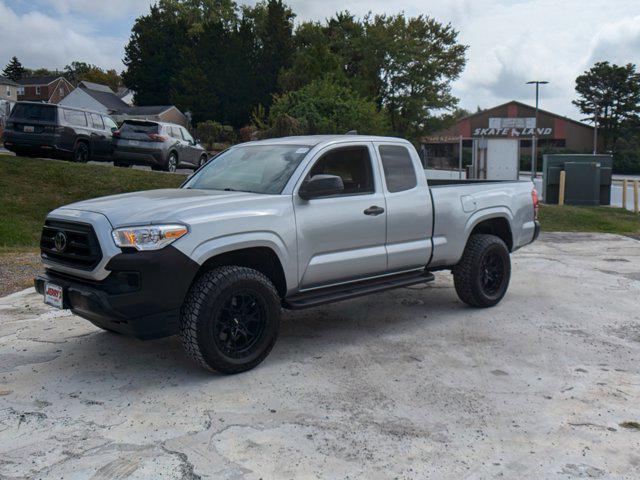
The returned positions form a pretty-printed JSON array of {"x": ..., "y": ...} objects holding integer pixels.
[
  {"x": 496, "y": 222},
  {"x": 261, "y": 258}
]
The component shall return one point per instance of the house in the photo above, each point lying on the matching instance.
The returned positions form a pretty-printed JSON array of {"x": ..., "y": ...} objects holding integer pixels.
[
  {"x": 8, "y": 89},
  {"x": 96, "y": 97},
  {"x": 100, "y": 98},
  {"x": 126, "y": 95},
  {"x": 163, "y": 113},
  {"x": 47, "y": 88}
]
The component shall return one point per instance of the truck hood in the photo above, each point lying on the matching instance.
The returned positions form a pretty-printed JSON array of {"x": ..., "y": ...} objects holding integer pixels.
[{"x": 166, "y": 205}]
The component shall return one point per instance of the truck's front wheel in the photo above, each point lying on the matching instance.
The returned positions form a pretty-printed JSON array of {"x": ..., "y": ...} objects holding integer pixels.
[
  {"x": 230, "y": 319},
  {"x": 482, "y": 276}
]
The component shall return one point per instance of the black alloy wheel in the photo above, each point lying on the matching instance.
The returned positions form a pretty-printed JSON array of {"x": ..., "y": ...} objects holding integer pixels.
[
  {"x": 81, "y": 153},
  {"x": 240, "y": 324}
]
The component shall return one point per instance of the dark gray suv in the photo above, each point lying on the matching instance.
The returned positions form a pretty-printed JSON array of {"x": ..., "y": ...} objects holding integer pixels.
[{"x": 163, "y": 146}]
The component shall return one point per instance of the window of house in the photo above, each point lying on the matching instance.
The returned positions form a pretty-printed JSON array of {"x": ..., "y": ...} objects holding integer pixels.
[
  {"x": 398, "y": 168},
  {"x": 75, "y": 117},
  {"x": 8, "y": 91},
  {"x": 38, "y": 90},
  {"x": 61, "y": 91},
  {"x": 352, "y": 164},
  {"x": 96, "y": 121}
]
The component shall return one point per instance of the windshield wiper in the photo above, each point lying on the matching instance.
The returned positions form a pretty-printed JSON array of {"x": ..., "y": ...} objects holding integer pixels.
[{"x": 230, "y": 189}]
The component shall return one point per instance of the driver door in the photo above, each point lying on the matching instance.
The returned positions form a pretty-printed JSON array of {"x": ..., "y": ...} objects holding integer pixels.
[{"x": 342, "y": 237}]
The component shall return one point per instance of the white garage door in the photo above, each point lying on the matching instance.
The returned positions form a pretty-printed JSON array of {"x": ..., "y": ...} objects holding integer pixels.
[{"x": 502, "y": 159}]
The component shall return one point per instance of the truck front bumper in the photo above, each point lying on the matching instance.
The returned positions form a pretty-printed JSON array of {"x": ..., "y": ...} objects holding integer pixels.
[{"x": 141, "y": 297}]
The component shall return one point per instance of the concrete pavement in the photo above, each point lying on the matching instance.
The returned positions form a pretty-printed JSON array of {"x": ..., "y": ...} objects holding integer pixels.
[{"x": 406, "y": 384}]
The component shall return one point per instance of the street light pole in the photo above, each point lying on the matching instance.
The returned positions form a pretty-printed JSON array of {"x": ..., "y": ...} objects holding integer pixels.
[
  {"x": 595, "y": 129},
  {"x": 534, "y": 139}
]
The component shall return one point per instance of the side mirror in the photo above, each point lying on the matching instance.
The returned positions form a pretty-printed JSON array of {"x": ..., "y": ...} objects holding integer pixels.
[{"x": 321, "y": 186}]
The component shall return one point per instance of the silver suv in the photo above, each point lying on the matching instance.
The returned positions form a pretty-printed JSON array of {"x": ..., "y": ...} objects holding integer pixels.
[{"x": 163, "y": 146}]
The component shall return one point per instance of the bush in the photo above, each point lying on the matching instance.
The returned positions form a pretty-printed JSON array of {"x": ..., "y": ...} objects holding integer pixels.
[
  {"x": 325, "y": 106},
  {"x": 211, "y": 132}
]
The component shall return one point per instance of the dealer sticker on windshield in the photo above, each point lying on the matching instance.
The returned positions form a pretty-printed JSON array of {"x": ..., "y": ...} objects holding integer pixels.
[{"x": 53, "y": 295}]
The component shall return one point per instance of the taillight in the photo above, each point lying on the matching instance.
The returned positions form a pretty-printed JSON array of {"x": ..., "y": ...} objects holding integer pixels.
[
  {"x": 536, "y": 203},
  {"x": 116, "y": 134},
  {"x": 156, "y": 137}
]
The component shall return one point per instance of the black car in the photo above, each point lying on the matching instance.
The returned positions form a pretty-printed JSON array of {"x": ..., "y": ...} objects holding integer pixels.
[
  {"x": 42, "y": 129},
  {"x": 163, "y": 146}
]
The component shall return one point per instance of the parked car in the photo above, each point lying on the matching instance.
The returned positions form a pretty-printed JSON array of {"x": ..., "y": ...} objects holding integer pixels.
[
  {"x": 163, "y": 146},
  {"x": 43, "y": 129},
  {"x": 288, "y": 222}
]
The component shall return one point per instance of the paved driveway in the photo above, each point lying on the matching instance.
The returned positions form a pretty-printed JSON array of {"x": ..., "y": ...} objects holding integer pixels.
[{"x": 406, "y": 384}]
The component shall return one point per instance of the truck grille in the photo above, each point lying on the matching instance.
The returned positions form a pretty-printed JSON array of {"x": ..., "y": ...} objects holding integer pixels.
[{"x": 71, "y": 244}]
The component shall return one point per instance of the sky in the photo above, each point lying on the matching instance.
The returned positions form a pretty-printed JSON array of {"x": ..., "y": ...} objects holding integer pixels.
[{"x": 510, "y": 41}]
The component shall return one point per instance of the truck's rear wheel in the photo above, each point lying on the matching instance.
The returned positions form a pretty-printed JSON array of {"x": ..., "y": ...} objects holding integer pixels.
[
  {"x": 230, "y": 319},
  {"x": 482, "y": 276}
]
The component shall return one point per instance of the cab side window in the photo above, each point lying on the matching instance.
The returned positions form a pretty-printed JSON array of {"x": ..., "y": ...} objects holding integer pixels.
[
  {"x": 399, "y": 173},
  {"x": 352, "y": 164}
]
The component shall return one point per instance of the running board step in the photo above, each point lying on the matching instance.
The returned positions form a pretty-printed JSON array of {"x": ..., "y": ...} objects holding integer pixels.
[{"x": 353, "y": 290}]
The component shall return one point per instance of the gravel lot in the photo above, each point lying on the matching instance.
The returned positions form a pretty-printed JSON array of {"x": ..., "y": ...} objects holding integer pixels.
[{"x": 406, "y": 384}]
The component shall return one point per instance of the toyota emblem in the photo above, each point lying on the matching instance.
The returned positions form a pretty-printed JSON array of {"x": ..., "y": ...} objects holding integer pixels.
[{"x": 60, "y": 241}]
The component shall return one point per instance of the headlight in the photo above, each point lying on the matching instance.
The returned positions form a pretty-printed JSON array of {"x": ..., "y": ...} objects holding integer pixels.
[{"x": 150, "y": 237}]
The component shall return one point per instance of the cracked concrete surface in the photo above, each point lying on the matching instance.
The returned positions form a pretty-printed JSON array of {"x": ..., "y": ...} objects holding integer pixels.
[{"x": 407, "y": 384}]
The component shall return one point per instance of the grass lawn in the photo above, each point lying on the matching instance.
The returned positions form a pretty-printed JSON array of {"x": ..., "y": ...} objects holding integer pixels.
[
  {"x": 568, "y": 218},
  {"x": 30, "y": 188}
]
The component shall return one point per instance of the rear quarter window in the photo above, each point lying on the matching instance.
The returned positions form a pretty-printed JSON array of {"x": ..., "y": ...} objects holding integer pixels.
[
  {"x": 398, "y": 168},
  {"x": 75, "y": 117}
]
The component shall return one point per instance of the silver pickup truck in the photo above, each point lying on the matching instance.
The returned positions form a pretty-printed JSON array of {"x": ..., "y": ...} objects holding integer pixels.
[{"x": 289, "y": 222}]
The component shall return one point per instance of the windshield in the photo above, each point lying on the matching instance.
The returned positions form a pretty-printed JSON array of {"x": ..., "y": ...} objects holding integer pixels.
[{"x": 251, "y": 168}]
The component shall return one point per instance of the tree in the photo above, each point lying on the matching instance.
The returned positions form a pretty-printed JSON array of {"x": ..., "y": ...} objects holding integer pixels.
[
  {"x": 613, "y": 93},
  {"x": 14, "y": 70},
  {"x": 326, "y": 106},
  {"x": 79, "y": 71},
  {"x": 404, "y": 65}
]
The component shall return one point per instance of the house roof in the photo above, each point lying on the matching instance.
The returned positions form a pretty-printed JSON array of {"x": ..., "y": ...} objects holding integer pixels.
[
  {"x": 149, "y": 110},
  {"x": 109, "y": 99},
  {"x": 520, "y": 104},
  {"x": 7, "y": 81},
  {"x": 98, "y": 87},
  {"x": 42, "y": 80}
]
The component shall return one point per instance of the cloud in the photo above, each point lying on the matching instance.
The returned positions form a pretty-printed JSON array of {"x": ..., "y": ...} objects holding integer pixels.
[
  {"x": 40, "y": 40},
  {"x": 511, "y": 41}
]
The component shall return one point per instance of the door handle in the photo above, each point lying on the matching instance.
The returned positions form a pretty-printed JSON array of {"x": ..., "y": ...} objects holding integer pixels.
[{"x": 374, "y": 210}]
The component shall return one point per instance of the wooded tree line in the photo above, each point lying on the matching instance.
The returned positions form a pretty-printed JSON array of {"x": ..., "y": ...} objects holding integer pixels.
[
  {"x": 240, "y": 65},
  {"x": 75, "y": 72},
  {"x": 609, "y": 95}
]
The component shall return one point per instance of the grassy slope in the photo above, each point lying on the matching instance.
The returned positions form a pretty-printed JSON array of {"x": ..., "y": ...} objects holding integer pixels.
[
  {"x": 554, "y": 218},
  {"x": 30, "y": 188}
]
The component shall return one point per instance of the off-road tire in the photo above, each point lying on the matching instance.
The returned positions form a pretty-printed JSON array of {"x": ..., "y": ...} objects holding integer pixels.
[
  {"x": 200, "y": 310},
  {"x": 468, "y": 274}
]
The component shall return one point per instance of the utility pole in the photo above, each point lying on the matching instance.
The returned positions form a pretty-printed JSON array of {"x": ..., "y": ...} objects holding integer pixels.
[{"x": 534, "y": 138}]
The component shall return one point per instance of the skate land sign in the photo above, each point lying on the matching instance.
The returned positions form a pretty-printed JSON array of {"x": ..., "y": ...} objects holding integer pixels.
[{"x": 512, "y": 127}]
